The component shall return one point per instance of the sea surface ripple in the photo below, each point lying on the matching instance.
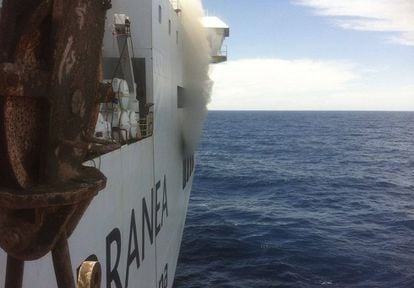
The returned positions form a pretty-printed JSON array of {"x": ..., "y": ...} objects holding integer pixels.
[{"x": 302, "y": 199}]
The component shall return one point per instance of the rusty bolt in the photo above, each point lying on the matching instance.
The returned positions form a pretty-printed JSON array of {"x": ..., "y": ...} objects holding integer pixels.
[{"x": 10, "y": 239}]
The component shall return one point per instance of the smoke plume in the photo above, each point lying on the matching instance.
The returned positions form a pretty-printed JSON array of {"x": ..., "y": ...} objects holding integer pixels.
[{"x": 197, "y": 84}]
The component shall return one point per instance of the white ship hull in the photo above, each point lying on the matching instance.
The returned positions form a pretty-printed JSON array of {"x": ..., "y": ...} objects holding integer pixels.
[
  {"x": 132, "y": 251},
  {"x": 115, "y": 229},
  {"x": 134, "y": 226}
]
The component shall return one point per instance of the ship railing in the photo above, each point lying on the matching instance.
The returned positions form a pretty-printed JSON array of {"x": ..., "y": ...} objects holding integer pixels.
[
  {"x": 221, "y": 55},
  {"x": 146, "y": 125},
  {"x": 223, "y": 51},
  {"x": 114, "y": 136}
]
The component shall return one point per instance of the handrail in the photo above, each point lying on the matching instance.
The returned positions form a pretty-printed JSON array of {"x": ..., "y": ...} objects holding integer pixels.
[{"x": 223, "y": 51}]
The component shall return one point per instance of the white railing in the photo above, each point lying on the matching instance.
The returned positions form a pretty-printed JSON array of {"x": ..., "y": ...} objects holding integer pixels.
[{"x": 223, "y": 51}]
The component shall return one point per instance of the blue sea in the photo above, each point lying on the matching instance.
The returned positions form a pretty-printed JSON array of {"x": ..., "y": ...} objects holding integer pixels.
[{"x": 302, "y": 199}]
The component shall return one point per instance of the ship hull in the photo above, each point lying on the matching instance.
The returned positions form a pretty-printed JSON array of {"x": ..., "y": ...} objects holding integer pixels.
[{"x": 133, "y": 227}]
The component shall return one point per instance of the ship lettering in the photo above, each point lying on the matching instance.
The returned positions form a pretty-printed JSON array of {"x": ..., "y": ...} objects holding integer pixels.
[
  {"x": 155, "y": 216},
  {"x": 164, "y": 208},
  {"x": 163, "y": 282},
  {"x": 112, "y": 274},
  {"x": 145, "y": 219},
  {"x": 157, "y": 208},
  {"x": 134, "y": 255}
]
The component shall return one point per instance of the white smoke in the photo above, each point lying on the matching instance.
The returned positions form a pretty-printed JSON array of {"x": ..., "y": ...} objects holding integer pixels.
[{"x": 197, "y": 84}]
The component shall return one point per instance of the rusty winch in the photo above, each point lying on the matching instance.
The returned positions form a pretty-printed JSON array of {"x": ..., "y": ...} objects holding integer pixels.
[{"x": 50, "y": 90}]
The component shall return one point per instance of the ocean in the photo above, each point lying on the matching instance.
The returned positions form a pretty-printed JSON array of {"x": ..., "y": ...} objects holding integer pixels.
[{"x": 302, "y": 199}]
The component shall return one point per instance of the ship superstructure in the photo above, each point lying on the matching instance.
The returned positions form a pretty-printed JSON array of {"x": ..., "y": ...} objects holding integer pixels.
[{"x": 153, "y": 81}]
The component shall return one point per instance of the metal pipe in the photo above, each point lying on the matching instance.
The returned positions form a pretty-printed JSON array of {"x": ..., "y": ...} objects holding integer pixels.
[
  {"x": 62, "y": 264},
  {"x": 14, "y": 272}
]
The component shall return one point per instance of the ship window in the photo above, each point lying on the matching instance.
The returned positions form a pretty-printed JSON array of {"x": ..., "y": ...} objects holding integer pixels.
[
  {"x": 169, "y": 27},
  {"x": 159, "y": 14},
  {"x": 180, "y": 97}
]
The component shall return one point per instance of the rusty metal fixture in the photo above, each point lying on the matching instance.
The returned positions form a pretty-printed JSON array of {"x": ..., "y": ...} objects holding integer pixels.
[
  {"x": 106, "y": 92},
  {"x": 14, "y": 272},
  {"x": 50, "y": 90},
  {"x": 32, "y": 222},
  {"x": 89, "y": 275},
  {"x": 62, "y": 264}
]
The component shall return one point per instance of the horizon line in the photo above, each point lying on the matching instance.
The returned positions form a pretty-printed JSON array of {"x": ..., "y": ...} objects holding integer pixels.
[{"x": 304, "y": 110}]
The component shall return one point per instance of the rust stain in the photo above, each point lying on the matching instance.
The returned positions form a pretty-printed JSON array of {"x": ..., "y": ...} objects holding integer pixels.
[
  {"x": 80, "y": 12},
  {"x": 67, "y": 61}
]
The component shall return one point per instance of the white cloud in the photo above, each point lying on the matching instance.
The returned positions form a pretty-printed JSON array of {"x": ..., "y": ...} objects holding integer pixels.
[
  {"x": 370, "y": 15},
  {"x": 277, "y": 84}
]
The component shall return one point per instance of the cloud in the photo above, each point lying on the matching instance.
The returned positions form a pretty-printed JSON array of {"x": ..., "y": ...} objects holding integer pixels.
[
  {"x": 305, "y": 84},
  {"x": 370, "y": 15}
]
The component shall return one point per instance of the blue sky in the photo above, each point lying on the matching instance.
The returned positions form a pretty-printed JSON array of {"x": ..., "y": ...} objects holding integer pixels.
[{"x": 351, "y": 55}]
